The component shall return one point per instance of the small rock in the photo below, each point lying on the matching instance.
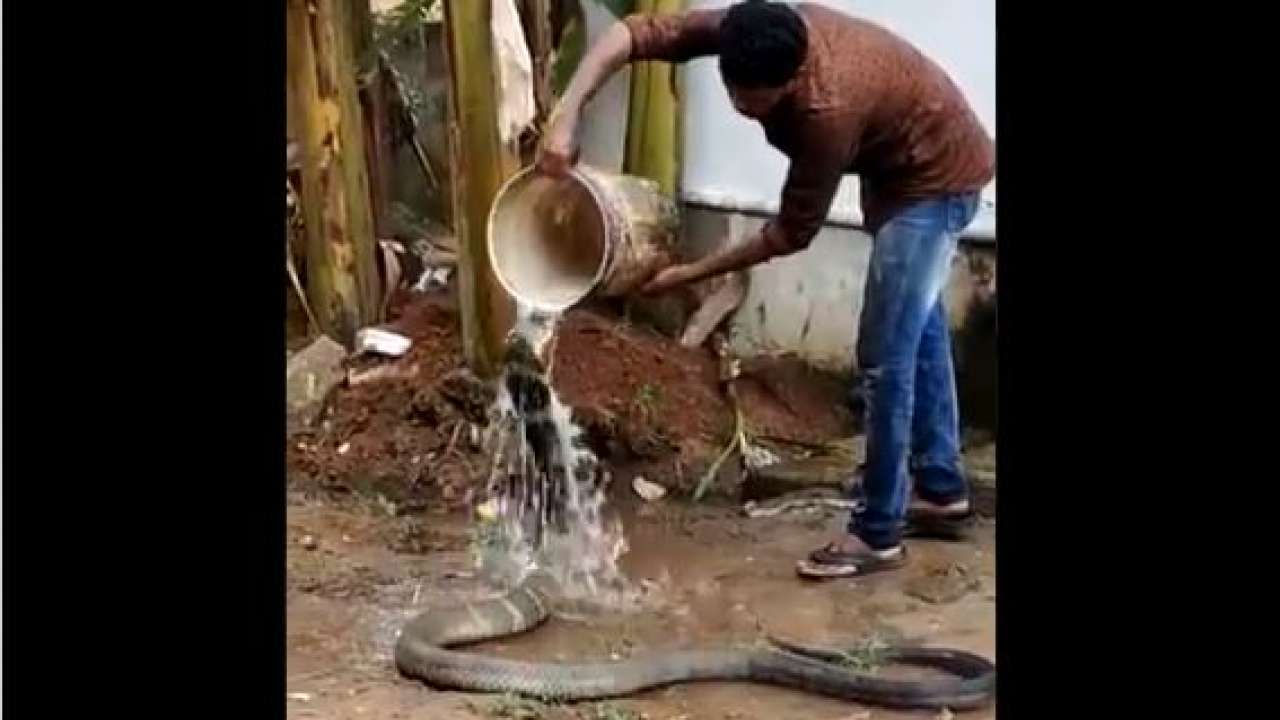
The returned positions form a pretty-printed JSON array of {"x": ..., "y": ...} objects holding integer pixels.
[
  {"x": 309, "y": 376},
  {"x": 944, "y": 714},
  {"x": 860, "y": 715},
  {"x": 299, "y": 696},
  {"x": 343, "y": 448},
  {"x": 473, "y": 436},
  {"x": 308, "y": 542},
  {"x": 650, "y": 491},
  {"x": 346, "y": 538}
]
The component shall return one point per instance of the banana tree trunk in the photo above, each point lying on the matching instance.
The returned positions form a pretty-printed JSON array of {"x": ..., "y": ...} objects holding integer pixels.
[
  {"x": 479, "y": 163},
  {"x": 324, "y": 115}
]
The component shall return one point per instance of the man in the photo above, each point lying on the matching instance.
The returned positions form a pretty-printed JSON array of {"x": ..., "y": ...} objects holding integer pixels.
[{"x": 841, "y": 95}]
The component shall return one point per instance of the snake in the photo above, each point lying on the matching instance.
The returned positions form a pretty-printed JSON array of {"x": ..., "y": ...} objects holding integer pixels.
[
  {"x": 425, "y": 650},
  {"x": 426, "y": 647}
]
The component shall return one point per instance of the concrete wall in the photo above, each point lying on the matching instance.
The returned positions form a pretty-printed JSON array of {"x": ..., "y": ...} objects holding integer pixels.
[{"x": 808, "y": 303}]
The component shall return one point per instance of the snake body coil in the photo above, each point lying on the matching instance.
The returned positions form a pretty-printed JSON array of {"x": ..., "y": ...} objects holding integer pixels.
[{"x": 423, "y": 652}]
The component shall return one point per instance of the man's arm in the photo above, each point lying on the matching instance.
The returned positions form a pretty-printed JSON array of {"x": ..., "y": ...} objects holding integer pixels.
[
  {"x": 674, "y": 38},
  {"x": 810, "y": 188},
  {"x": 559, "y": 150}
]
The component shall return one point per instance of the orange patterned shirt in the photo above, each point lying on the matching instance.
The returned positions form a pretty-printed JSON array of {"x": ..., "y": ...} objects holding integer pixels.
[{"x": 866, "y": 103}]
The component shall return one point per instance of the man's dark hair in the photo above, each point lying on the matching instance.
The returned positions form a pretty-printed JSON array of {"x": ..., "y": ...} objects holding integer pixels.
[{"x": 761, "y": 44}]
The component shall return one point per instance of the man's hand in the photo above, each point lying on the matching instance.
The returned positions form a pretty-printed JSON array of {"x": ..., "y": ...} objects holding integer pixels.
[
  {"x": 559, "y": 149},
  {"x": 734, "y": 257},
  {"x": 671, "y": 277}
]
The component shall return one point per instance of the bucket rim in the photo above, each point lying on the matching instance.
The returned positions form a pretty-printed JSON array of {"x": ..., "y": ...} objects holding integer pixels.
[{"x": 581, "y": 176}]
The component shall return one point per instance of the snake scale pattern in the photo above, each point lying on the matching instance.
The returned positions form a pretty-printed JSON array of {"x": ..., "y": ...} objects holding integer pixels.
[{"x": 424, "y": 651}]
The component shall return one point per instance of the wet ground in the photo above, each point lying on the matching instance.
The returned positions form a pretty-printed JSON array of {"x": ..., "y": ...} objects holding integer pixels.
[{"x": 357, "y": 571}]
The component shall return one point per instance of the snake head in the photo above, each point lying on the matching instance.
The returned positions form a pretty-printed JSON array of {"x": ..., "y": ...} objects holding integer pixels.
[{"x": 520, "y": 353}]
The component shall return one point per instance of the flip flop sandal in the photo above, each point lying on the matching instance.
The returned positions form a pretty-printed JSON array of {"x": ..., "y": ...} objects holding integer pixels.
[
  {"x": 953, "y": 527},
  {"x": 829, "y": 562}
]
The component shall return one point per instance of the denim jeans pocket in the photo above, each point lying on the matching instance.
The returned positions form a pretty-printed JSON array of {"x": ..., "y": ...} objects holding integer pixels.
[{"x": 961, "y": 210}]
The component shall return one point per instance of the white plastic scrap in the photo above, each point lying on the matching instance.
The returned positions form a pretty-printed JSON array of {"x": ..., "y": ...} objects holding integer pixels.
[
  {"x": 383, "y": 342},
  {"x": 650, "y": 491},
  {"x": 432, "y": 277},
  {"x": 757, "y": 456}
]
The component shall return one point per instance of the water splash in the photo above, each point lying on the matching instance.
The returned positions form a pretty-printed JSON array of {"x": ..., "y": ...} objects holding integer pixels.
[{"x": 546, "y": 488}]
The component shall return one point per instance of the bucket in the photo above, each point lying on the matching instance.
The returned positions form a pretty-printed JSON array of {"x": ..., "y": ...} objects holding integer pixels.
[{"x": 555, "y": 241}]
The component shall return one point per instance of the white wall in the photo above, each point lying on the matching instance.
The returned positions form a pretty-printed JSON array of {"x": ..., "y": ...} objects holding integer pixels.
[
  {"x": 604, "y": 119},
  {"x": 805, "y": 303}
]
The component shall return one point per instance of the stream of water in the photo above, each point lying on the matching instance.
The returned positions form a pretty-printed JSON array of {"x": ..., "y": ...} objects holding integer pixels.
[{"x": 544, "y": 502}]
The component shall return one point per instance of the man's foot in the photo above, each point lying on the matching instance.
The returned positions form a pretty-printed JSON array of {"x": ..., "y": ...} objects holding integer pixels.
[
  {"x": 850, "y": 557},
  {"x": 942, "y": 522}
]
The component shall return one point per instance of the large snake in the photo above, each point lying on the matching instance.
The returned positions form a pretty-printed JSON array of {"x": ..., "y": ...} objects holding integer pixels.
[
  {"x": 422, "y": 651},
  {"x": 423, "y": 648}
]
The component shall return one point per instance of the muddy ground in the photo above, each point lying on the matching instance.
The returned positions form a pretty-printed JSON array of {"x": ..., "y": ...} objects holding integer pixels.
[
  {"x": 379, "y": 495},
  {"x": 718, "y": 578}
]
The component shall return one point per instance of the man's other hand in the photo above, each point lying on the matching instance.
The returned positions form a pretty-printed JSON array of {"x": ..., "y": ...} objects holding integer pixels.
[{"x": 669, "y": 278}]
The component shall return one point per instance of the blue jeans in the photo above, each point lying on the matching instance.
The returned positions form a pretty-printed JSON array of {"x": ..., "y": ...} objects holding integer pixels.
[{"x": 904, "y": 359}]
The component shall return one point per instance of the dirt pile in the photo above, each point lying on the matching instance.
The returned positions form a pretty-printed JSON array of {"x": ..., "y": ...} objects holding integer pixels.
[
  {"x": 409, "y": 428},
  {"x": 788, "y": 400},
  {"x": 639, "y": 395},
  {"x": 404, "y": 428}
]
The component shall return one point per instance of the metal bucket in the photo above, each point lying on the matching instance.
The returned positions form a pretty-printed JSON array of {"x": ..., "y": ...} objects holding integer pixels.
[{"x": 555, "y": 241}]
